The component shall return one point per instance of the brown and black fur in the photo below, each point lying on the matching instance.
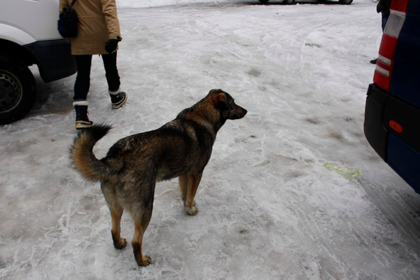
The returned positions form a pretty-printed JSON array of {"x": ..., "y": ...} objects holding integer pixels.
[{"x": 133, "y": 165}]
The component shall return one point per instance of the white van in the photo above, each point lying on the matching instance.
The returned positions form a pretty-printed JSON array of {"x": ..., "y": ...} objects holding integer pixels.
[{"x": 28, "y": 35}]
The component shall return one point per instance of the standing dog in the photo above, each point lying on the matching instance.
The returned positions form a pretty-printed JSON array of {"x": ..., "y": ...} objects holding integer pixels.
[{"x": 133, "y": 165}]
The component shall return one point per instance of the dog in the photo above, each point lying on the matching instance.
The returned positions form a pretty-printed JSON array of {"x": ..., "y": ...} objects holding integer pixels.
[{"x": 129, "y": 172}]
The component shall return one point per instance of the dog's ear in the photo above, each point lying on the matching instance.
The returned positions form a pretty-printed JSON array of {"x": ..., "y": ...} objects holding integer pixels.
[{"x": 221, "y": 102}]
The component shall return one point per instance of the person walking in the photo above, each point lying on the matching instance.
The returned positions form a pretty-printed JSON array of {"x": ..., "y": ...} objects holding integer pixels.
[
  {"x": 98, "y": 33},
  {"x": 383, "y": 8}
]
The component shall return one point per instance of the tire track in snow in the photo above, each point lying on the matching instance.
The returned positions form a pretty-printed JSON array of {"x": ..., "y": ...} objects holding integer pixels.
[{"x": 405, "y": 224}]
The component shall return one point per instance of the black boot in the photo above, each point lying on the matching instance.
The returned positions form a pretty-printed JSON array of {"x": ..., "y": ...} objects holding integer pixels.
[
  {"x": 373, "y": 61},
  {"x": 118, "y": 98},
  {"x": 81, "y": 109}
]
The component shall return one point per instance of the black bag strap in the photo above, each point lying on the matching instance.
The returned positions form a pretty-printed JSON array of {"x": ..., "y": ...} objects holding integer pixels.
[{"x": 72, "y": 3}]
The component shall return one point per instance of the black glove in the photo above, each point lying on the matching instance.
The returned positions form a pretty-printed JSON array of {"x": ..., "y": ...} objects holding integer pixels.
[{"x": 112, "y": 44}]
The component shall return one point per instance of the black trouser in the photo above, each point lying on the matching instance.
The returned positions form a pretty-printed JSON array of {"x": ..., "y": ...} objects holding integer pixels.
[
  {"x": 84, "y": 62},
  {"x": 384, "y": 20}
]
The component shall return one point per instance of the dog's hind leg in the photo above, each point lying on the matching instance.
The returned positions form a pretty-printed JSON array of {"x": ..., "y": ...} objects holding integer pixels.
[
  {"x": 193, "y": 180},
  {"x": 116, "y": 213},
  {"x": 140, "y": 225},
  {"x": 108, "y": 189},
  {"x": 183, "y": 186},
  {"x": 141, "y": 212}
]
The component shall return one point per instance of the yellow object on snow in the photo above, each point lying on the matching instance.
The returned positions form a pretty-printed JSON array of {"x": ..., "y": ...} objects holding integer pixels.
[{"x": 343, "y": 171}]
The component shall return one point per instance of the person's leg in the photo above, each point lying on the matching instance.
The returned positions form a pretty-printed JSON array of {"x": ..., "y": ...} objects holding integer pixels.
[
  {"x": 118, "y": 98},
  {"x": 111, "y": 71},
  {"x": 81, "y": 89},
  {"x": 384, "y": 20},
  {"x": 82, "y": 84}
]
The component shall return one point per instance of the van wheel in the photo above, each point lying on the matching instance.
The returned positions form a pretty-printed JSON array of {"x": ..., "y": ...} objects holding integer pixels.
[
  {"x": 346, "y": 2},
  {"x": 17, "y": 90}
]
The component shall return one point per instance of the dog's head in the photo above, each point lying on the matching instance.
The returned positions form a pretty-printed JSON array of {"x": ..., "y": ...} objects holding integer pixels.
[{"x": 226, "y": 105}]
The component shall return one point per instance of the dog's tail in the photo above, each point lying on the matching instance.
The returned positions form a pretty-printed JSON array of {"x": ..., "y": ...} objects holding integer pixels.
[{"x": 82, "y": 155}]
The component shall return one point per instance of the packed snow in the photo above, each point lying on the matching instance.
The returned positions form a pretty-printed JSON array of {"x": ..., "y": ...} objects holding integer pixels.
[{"x": 292, "y": 191}]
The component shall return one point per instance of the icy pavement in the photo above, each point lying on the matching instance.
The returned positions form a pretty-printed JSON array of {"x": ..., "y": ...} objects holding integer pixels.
[{"x": 275, "y": 200}]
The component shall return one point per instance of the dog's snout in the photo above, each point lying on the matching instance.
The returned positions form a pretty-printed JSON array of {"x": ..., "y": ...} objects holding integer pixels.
[
  {"x": 244, "y": 111},
  {"x": 240, "y": 112}
]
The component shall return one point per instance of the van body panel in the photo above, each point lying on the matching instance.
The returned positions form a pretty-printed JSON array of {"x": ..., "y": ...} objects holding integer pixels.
[
  {"x": 37, "y": 18},
  {"x": 15, "y": 35}
]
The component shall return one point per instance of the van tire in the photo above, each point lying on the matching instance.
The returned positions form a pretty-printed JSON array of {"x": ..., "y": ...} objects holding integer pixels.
[{"x": 17, "y": 90}]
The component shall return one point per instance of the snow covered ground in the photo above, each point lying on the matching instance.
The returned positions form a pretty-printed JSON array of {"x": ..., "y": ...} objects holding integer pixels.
[{"x": 269, "y": 207}]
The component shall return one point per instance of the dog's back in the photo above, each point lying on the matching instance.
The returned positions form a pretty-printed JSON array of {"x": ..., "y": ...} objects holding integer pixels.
[{"x": 171, "y": 150}]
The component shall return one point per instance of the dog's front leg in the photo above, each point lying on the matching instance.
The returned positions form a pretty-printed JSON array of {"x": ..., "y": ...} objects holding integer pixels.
[{"x": 192, "y": 185}]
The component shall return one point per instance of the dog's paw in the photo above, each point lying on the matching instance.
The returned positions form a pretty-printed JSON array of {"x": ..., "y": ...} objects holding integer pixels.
[
  {"x": 146, "y": 260},
  {"x": 191, "y": 211},
  {"x": 120, "y": 244}
]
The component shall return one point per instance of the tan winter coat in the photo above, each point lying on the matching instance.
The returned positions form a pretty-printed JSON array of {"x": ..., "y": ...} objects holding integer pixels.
[{"x": 98, "y": 22}]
